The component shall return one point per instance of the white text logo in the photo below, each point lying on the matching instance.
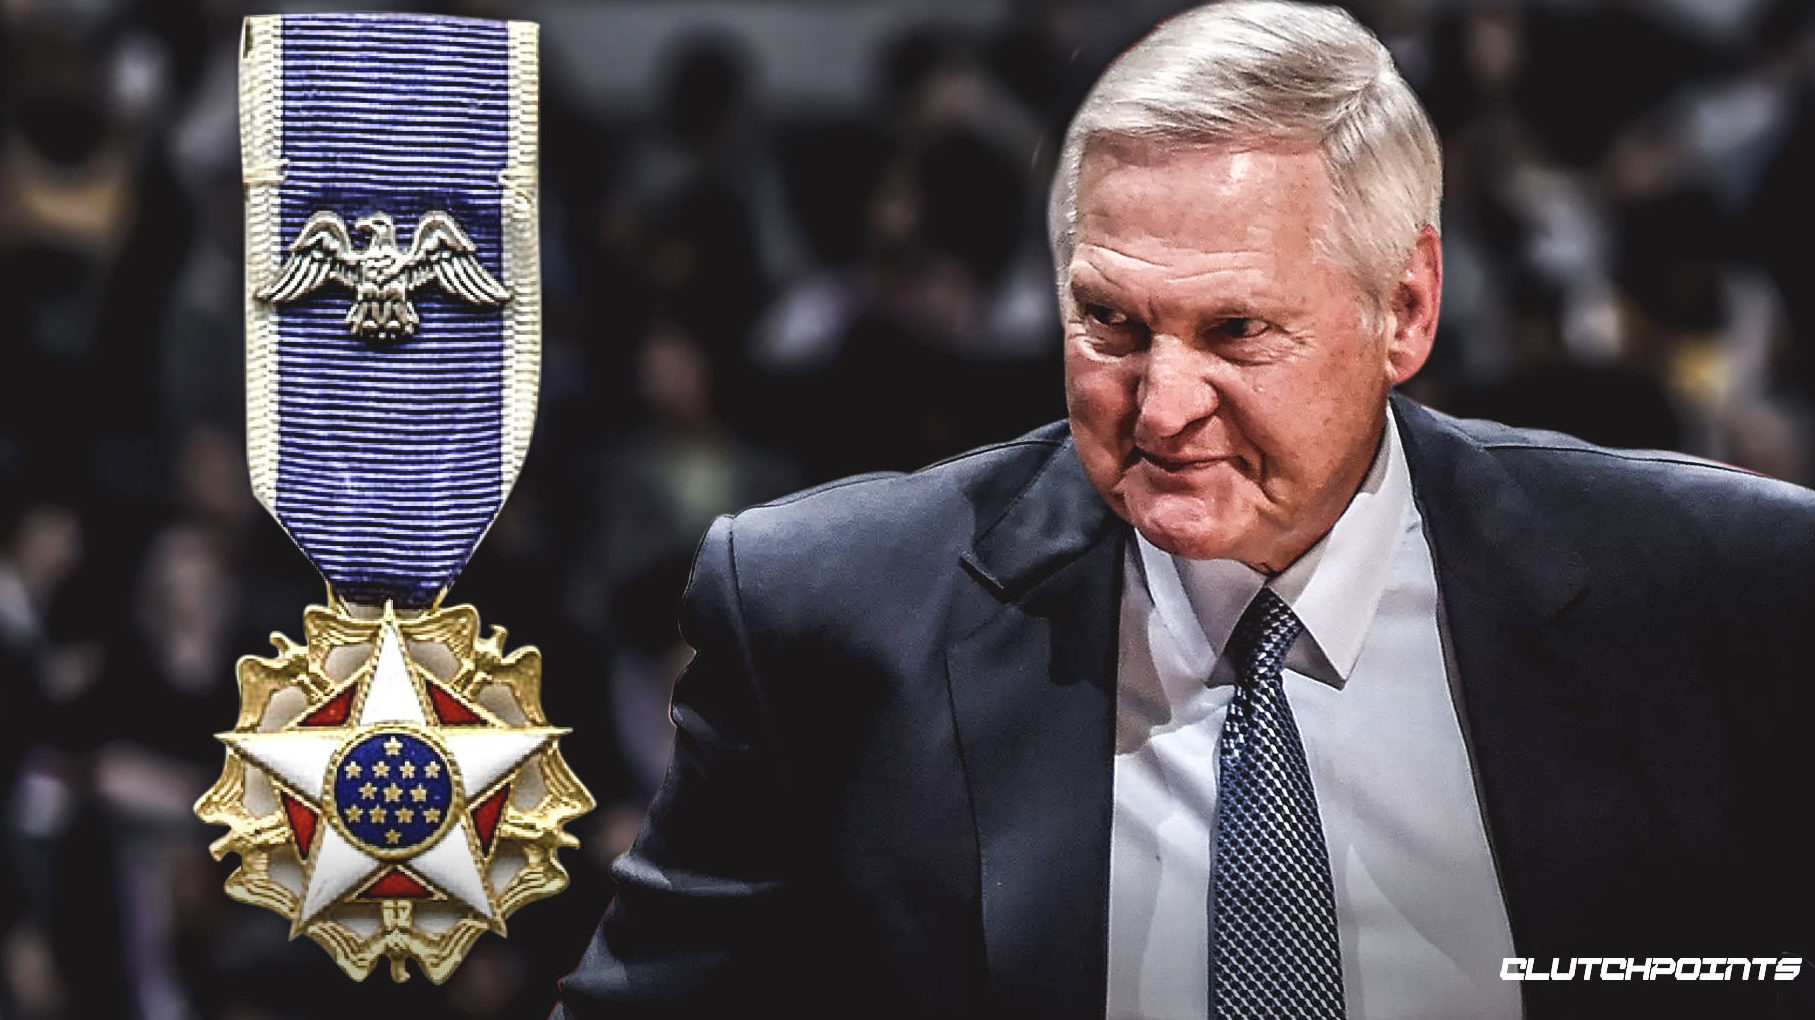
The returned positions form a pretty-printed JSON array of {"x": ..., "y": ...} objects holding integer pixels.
[{"x": 1619, "y": 968}]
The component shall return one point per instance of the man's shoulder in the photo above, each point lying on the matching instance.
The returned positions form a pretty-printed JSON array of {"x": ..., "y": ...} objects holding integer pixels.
[
  {"x": 951, "y": 498},
  {"x": 1636, "y": 473},
  {"x": 1643, "y": 494},
  {"x": 895, "y": 518}
]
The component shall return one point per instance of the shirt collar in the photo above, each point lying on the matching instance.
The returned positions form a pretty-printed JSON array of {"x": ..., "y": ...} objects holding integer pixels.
[{"x": 1334, "y": 588}]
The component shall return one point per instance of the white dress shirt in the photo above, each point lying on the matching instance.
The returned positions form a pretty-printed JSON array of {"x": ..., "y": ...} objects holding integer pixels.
[{"x": 1418, "y": 906}]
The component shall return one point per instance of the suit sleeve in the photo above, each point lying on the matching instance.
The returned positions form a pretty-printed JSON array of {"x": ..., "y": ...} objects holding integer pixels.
[{"x": 700, "y": 924}]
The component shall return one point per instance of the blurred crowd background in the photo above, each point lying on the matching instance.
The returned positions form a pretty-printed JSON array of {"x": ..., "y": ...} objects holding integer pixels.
[{"x": 783, "y": 240}]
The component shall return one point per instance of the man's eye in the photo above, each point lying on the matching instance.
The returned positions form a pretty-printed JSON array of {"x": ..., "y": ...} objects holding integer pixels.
[
  {"x": 1242, "y": 327},
  {"x": 1106, "y": 316}
]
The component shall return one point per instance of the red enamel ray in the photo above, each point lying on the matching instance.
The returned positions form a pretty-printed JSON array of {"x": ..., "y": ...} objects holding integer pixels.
[
  {"x": 302, "y": 824},
  {"x": 395, "y": 885},
  {"x": 332, "y": 712},
  {"x": 449, "y": 709},
  {"x": 486, "y": 815}
]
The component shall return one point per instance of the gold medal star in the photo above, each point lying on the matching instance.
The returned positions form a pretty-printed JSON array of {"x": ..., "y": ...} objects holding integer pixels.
[
  {"x": 353, "y": 813},
  {"x": 477, "y": 759},
  {"x": 352, "y": 770}
]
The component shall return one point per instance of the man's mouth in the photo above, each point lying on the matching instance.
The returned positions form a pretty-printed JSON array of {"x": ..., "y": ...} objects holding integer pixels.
[{"x": 1175, "y": 464}]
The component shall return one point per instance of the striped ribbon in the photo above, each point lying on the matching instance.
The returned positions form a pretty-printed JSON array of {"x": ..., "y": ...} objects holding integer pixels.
[{"x": 387, "y": 460}]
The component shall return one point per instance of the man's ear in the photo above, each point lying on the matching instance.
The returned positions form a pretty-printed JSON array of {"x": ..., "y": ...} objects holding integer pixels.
[{"x": 1412, "y": 308}]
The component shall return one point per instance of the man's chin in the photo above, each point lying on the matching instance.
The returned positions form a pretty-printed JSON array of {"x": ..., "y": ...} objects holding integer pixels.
[
  {"x": 1191, "y": 531},
  {"x": 1191, "y": 547}
]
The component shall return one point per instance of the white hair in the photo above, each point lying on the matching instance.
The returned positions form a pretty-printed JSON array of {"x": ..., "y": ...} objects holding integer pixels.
[{"x": 1271, "y": 72}]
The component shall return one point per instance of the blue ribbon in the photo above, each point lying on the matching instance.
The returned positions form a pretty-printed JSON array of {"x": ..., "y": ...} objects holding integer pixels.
[{"x": 389, "y": 452}]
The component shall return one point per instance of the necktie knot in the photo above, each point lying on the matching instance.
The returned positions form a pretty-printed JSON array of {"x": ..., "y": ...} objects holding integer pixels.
[{"x": 1262, "y": 636}]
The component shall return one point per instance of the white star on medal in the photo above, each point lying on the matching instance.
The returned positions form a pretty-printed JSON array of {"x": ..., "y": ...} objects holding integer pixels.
[{"x": 299, "y": 757}]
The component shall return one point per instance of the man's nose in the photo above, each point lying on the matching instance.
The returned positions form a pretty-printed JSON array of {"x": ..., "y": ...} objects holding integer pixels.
[{"x": 1174, "y": 390}]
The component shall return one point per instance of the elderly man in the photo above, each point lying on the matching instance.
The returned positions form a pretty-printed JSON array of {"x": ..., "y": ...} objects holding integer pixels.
[{"x": 1255, "y": 691}]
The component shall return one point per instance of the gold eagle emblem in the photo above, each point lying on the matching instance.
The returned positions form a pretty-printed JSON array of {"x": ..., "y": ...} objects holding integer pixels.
[{"x": 381, "y": 275}]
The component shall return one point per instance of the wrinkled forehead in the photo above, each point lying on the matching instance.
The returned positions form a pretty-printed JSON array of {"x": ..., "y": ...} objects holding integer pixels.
[{"x": 1210, "y": 195}]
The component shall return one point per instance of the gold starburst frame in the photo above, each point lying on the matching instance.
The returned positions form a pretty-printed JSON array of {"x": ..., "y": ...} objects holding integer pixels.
[{"x": 519, "y": 866}]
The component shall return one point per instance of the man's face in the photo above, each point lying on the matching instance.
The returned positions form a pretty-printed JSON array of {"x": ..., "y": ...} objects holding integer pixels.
[{"x": 1223, "y": 396}]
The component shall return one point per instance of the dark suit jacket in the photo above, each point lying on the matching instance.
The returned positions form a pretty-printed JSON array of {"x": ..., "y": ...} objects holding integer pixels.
[{"x": 891, "y": 787}]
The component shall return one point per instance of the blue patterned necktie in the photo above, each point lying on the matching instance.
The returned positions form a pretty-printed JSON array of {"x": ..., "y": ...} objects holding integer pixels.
[{"x": 1273, "y": 944}]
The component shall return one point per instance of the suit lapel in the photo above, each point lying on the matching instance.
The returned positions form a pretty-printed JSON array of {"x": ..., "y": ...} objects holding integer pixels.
[
  {"x": 1561, "y": 803},
  {"x": 1033, "y": 694}
]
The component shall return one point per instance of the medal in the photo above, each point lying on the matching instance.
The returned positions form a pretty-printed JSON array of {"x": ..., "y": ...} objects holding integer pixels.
[{"x": 391, "y": 785}]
